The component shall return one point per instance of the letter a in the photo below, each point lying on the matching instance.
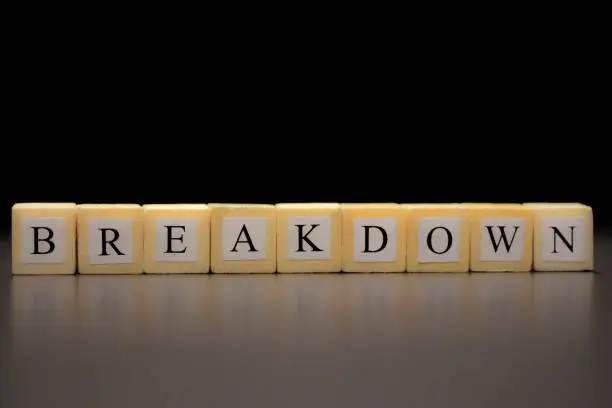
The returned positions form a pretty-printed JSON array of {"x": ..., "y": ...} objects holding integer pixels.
[{"x": 247, "y": 241}]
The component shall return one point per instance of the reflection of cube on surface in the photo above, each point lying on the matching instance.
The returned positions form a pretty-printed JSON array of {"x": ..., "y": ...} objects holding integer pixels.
[
  {"x": 243, "y": 238},
  {"x": 563, "y": 236},
  {"x": 308, "y": 237},
  {"x": 438, "y": 237},
  {"x": 110, "y": 238},
  {"x": 373, "y": 238},
  {"x": 176, "y": 238},
  {"x": 44, "y": 238},
  {"x": 501, "y": 238}
]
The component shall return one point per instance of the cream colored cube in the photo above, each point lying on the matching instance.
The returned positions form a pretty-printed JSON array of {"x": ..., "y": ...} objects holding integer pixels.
[
  {"x": 501, "y": 238},
  {"x": 243, "y": 238},
  {"x": 110, "y": 238},
  {"x": 373, "y": 237},
  {"x": 308, "y": 238},
  {"x": 438, "y": 237},
  {"x": 176, "y": 238},
  {"x": 44, "y": 238},
  {"x": 563, "y": 236}
]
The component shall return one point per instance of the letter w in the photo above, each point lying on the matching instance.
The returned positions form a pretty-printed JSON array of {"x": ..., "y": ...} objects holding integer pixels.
[{"x": 503, "y": 237}]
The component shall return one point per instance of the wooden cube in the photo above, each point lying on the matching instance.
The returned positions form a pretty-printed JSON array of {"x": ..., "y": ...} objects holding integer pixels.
[
  {"x": 308, "y": 238},
  {"x": 243, "y": 238},
  {"x": 176, "y": 238},
  {"x": 563, "y": 236},
  {"x": 110, "y": 238},
  {"x": 44, "y": 238},
  {"x": 501, "y": 238},
  {"x": 373, "y": 238},
  {"x": 438, "y": 238}
]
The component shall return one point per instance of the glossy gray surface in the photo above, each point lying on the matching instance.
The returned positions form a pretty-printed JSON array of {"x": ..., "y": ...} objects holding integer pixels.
[{"x": 478, "y": 340}]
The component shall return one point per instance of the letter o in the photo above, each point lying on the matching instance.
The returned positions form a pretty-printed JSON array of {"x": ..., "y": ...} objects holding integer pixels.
[{"x": 449, "y": 240}]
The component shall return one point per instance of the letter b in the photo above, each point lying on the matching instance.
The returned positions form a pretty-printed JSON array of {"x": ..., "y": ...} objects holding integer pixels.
[
  {"x": 43, "y": 240},
  {"x": 47, "y": 240}
]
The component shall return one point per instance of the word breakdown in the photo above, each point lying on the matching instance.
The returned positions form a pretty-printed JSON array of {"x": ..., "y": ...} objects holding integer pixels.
[{"x": 70, "y": 238}]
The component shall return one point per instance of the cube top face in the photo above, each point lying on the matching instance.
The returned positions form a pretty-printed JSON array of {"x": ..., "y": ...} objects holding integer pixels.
[
  {"x": 438, "y": 209},
  {"x": 433, "y": 206},
  {"x": 368, "y": 206},
  {"x": 563, "y": 237},
  {"x": 90, "y": 207},
  {"x": 217, "y": 210},
  {"x": 495, "y": 206},
  {"x": 438, "y": 238},
  {"x": 243, "y": 238},
  {"x": 43, "y": 239},
  {"x": 176, "y": 238},
  {"x": 306, "y": 206},
  {"x": 373, "y": 238},
  {"x": 501, "y": 238},
  {"x": 174, "y": 207},
  {"x": 43, "y": 206},
  {"x": 231, "y": 206},
  {"x": 110, "y": 238},
  {"x": 308, "y": 238},
  {"x": 477, "y": 204},
  {"x": 555, "y": 206}
]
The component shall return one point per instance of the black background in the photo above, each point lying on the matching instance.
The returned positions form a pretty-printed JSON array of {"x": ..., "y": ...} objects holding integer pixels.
[
  {"x": 443, "y": 128},
  {"x": 367, "y": 166}
]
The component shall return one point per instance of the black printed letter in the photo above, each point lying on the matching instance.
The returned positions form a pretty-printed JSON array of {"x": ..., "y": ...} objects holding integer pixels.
[
  {"x": 502, "y": 237},
  {"x": 37, "y": 239},
  {"x": 111, "y": 242},
  {"x": 170, "y": 238},
  {"x": 367, "y": 238},
  {"x": 304, "y": 237},
  {"x": 248, "y": 240},
  {"x": 556, "y": 233},
  {"x": 449, "y": 240}
]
